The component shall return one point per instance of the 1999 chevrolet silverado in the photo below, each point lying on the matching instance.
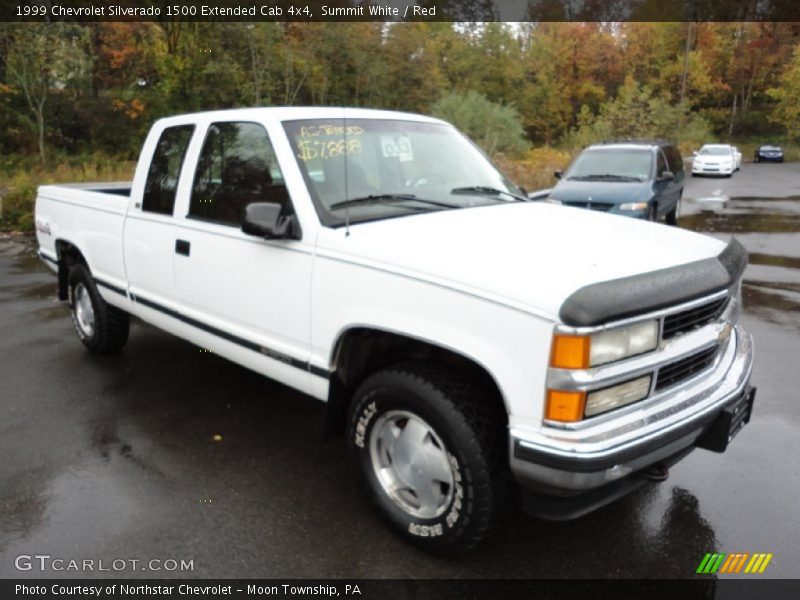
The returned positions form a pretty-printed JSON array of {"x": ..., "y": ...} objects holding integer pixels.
[{"x": 472, "y": 344}]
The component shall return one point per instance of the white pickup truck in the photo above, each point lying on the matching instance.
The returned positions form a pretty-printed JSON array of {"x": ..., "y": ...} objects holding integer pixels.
[{"x": 470, "y": 342}]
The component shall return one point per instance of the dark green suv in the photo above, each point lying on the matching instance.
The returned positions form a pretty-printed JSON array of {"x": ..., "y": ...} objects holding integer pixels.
[{"x": 636, "y": 178}]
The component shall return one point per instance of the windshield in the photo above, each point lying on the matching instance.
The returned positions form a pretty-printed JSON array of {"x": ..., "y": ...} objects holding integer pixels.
[
  {"x": 612, "y": 164},
  {"x": 715, "y": 151},
  {"x": 374, "y": 168}
]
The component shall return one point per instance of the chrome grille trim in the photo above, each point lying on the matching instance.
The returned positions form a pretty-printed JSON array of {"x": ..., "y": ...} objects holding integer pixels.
[
  {"x": 657, "y": 314},
  {"x": 682, "y": 370},
  {"x": 711, "y": 340},
  {"x": 687, "y": 320}
]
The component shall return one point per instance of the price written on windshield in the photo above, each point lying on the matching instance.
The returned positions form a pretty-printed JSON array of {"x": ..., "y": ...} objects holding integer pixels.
[{"x": 327, "y": 149}]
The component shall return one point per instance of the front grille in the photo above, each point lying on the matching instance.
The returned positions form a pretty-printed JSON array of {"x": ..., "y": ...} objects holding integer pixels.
[
  {"x": 684, "y": 369},
  {"x": 693, "y": 318},
  {"x": 601, "y": 206}
]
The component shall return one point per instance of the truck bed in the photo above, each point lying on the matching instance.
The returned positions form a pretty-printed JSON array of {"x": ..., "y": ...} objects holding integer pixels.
[
  {"x": 89, "y": 214},
  {"x": 118, "y": 188}
]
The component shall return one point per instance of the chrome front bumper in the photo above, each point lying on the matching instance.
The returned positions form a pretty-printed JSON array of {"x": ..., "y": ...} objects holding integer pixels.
[{"x": 575, "y": 458}]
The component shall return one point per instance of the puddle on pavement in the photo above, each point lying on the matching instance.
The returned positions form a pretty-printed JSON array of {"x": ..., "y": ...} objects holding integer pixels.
[
  {"x": 52, "y": 313},
  {"x": 787, "y": 262},
  {"x": 768, "y": 303},
  {"x": 40, "y": 292},
  {"x": 23, "y": 250},
  {"x": 774, "y": 300},
  {"x": 727, "y": 221}
]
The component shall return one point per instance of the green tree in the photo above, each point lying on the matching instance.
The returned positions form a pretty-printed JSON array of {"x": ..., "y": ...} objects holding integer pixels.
[
  {"x": 494, "y": 127},
  {"x": 786, "y": 94},
  {"x": 637, "y": 112},
  {"x": 43, "y": 57}
]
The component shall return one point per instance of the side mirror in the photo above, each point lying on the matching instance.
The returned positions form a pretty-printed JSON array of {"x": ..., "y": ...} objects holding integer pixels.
[
  {"x": 264, "y": 219},
  {"x": 558, "y": 174},
  {"x": 667, "y": 176}
]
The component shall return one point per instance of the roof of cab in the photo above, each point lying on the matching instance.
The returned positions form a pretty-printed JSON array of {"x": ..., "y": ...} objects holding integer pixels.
[
  {"x": 294, "y": 113},
  {"x": 623, "y": 146}
]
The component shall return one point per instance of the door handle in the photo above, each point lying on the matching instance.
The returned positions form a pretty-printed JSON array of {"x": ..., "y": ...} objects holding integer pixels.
[{"x": 182, "y": 247}]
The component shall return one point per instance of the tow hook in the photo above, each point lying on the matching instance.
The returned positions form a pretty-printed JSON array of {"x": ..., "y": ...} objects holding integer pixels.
[{"x": 656, "y": 472}]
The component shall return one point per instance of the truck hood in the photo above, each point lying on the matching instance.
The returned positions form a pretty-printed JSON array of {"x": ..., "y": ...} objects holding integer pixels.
[
  {"x": 531, "y": 256},
  {"x": 606, "y": 192}
]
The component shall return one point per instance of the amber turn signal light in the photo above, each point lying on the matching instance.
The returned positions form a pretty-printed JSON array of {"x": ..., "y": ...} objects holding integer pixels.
[
  {"x": 565, "y": 406},
  {"x": 570, "y": 351}
]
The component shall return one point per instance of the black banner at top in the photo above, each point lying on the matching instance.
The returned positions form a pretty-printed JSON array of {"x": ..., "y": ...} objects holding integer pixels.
[{"x": 399, "y": 10}]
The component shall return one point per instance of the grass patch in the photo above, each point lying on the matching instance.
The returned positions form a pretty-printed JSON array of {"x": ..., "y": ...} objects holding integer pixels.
[
  {"x": 19, "y": 179},
  {"x": 535, "y": 169}
]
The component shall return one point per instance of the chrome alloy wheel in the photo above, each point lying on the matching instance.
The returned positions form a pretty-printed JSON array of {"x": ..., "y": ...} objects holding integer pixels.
[
  {"x": 84, "y": 311},
  {"x": 411, "y": 464}
]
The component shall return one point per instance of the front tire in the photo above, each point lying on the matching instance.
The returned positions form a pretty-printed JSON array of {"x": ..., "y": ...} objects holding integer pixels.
[
  {"x": 652, "y": 213},
  {"x": 102, "y": 328},
  {"x": 431, "y": 451}
]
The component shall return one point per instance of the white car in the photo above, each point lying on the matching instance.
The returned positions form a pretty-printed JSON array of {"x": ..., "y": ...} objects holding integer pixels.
[
  {"x": 715, "y": 159},
  {"x": 464, "y": 337}
]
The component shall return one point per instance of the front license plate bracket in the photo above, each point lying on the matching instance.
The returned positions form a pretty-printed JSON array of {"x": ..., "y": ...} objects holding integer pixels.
[{"x": 731, "y": 420}]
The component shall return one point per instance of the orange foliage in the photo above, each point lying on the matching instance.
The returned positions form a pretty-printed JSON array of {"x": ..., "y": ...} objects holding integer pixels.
[{"x": 534, "y": 171}]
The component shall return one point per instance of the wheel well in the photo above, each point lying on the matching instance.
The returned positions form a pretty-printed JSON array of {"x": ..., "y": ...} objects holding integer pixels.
[
  {"x": 360, "y": 352},
  {"x": 68, "y": 256}
]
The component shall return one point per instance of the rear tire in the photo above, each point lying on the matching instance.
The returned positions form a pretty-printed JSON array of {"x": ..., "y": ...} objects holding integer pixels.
[
  {"x": 431, "y": 451},
  {"x": 102, "y": 328}
]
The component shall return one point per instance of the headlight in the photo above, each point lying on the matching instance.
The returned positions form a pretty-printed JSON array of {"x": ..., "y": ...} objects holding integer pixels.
[
  {"x": 617, "y": 396},
  {"x": 584, "y": 351},
  {"x": 571, "y": 406},
  {"x": 633, "y": 206}
]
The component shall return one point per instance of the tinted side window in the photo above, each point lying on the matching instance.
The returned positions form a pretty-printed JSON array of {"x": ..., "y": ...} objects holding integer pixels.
[
  {"x": 165, "y": 169},
  {"x": 237, "y": 166}
]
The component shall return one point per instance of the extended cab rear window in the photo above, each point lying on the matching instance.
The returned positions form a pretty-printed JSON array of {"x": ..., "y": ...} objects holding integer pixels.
[{"x": 165, "y": 169}]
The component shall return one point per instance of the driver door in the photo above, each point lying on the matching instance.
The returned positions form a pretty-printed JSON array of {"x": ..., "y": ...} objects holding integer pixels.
[
  {"x": 667, "y": 192},
  {"x": 250, "y": 294}
]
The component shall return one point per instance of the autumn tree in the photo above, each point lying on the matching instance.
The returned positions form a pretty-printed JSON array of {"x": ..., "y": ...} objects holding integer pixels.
[
  {"x": 638, "y": 112},
  {"x": 786, "y": 94}
]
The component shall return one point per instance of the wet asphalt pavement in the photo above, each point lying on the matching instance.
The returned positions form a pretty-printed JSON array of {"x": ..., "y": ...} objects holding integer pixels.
[{"x": 115, "y": 457}]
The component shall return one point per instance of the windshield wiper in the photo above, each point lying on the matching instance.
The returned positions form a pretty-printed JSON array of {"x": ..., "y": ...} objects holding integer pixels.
[
  {"x": 482, "y": 190},
  {"x": 388, "y": 199},
  {"x": 604, "y": 176}
]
